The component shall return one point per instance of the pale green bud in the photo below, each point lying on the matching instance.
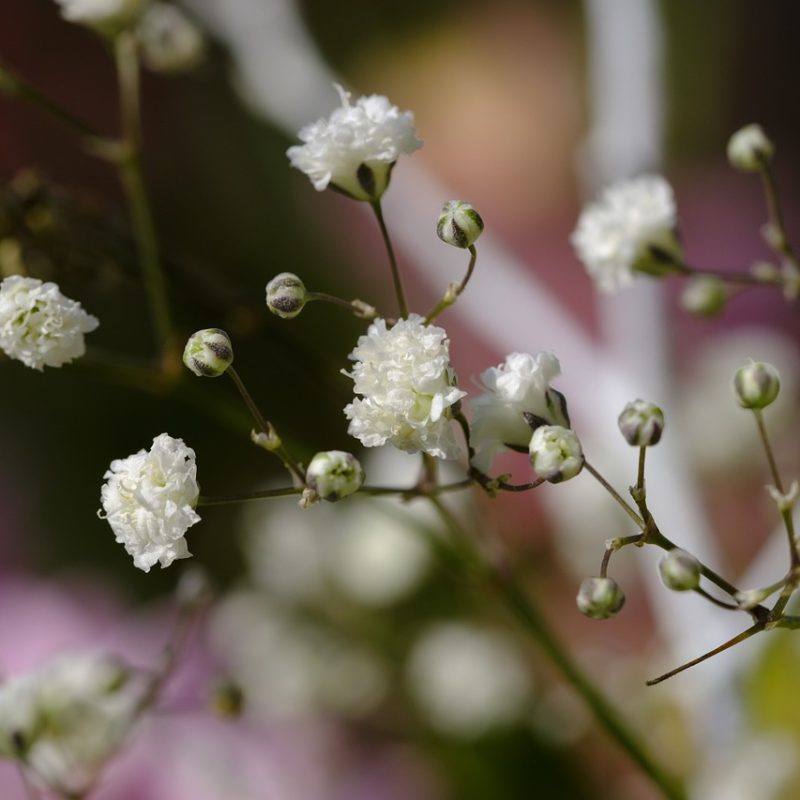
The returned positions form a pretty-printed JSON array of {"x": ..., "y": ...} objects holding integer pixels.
[
  {"x": 756, "y": 385},
  {"x": 459, "y": 224},
  {"x": 600, "y": 598},
  {"x": 555, "y": 453},
  {"x": 680, "y": 570},
  {"x": 170, "y": 41},
  {"x": 334, "y": 474},
  {"x": 208, "y": 353},
  {"x": 641, "y": 423},
  {"x": 749, "y": 149},
  {"x": 704, "y": 296},
  {"x": 286, "y": 295}
]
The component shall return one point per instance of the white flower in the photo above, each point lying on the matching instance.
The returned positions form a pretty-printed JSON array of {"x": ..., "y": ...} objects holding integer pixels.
[
  {"x": 555, "y": 453},
  {"x": 632, "y": 227},
  {"x": 354, "y": 149},
  {"x": 149, "y": 500},
  {"x": 170, "y": 41},
  {"x": 334, "y": 474},
  {"x": 105, "y": 15},
  {"x": 467, "y": 679},
  {"x": 520, "y": 384},
  {"x": 67, "y": 718},
  {"x": 749, "y": 149},
  {"x": 39, "y": 326},
  {"x": 408, "y": 387}
]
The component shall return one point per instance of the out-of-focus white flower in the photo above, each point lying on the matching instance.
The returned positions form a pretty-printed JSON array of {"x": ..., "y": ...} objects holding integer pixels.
[
  {"x": 407, "y": 387},
  {"x": 66, "y": 719},
  {"x": 467, "y": 679},
  {"x": 600, "y": 598},
  {"x": 38, "y": 325},
  {"x": 705, "y": 296},
  {"x": 631, "y": 228},
  {"x": 107, "y": 16},
  {"x": 680, "y": 570},
  {"x": 354, "y": 149},
  {"x": 555, "y": 453},
  {"x": 749, "y": 149},
  {"x": 520, "y": 384},
  {"x": 149, "y": 500},
  {"x": 170, "y": 41}
]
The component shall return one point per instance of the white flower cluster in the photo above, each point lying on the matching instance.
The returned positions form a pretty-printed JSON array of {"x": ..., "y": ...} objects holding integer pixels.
[
  {"x": 407, "y": 385},
  {"x": 520, "y": 384},
  {"x": 38, "y": 325},
  {"x": 149, "y": 500},
  {"x": 67, "y": 718},
  {"x": 101, "y": 14},
  {"x": 615, "y": 236},
  {"x": 354, "y": 149}
]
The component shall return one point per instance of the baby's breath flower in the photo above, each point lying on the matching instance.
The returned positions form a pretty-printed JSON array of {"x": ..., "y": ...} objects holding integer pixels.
[
  {"x": 756, "y": 385},
  {"x": 521, "y": 384},
  {"x": 459, "y": 224},
  {"x": 749, "y": 149},
  {"x": 408, "y": 388},
  {"x": 600, "y": 598},
  {"x": 631, "y": 228},
  {"x": 38, "y": 325},
  {"x": 67, "y": 718},
  {"x": 555, "y": 453},
  {"x": 286, "y": 295},
  {"x": 149, "y": 500},
  {"x": 106, "y": 16},
  {"x": 354, "y": 149},
  {"x": 680, "y": 570},
  {"x": 208, "y": 353},
  {"x": 641, "y": 423},
  {"x": 334, "y": 474},
  {"x": 170, "y": 41}
]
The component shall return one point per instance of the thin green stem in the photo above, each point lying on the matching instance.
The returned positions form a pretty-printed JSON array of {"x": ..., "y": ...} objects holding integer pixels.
[
  {"x": 265, "y": 494},
  {"x": 775, "y": 213},
  {"x": 451, "y": 296},
  {"x": 716, "y": 651},
  {"x": 621, "y": 501},
  {"x": 291, "y": 465},
  {"x": 359, "y": 308},
  {"x": 741, "y": 278},
  {"x": 398, "y": 285},
  {"x": 414, "y": 491},
  {"x": 640, "y": 472}
]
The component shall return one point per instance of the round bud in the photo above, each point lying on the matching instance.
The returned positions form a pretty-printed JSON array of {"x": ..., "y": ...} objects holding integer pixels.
[
  {"x": 334, "y": 474},
  {"x": 170, "y": 41},
  {"x": 749, "y": 149},
  {"x": 680, "y": 570},
  {"x": 704, "y": 296},
  {"x": 459, "y": 224},
  {"x": 641, "y": 423},
  {"x": 600, "y": 598},
  {"x": 286, "y": 295},
  {"x": 756, "y": 385},
  {"x": 555, "y": 453},
  {"x": 208, "y": 353}
]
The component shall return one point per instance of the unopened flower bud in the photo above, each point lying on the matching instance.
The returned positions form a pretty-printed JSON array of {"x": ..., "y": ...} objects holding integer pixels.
[
  {"x": 641, "y": 423},
  {"x": 555, "y": 453},
  {"x": 459, "y": 224},
  {"x": 268, "y": 440},
  {"x": 750, "y": 598},
  {"x": 286, "y": 295},
  {"x": 749, "y": 149},
  {"x": 680, "y": 570},
  {"x": 170, "y": 41},
  {"x": 756, "y": 385},
  {"x": 208, "y": 353},
  {"x": 334, "y": 474},
  {"x": 704, "y": 296},
  {"x": 600, "y": 598}
]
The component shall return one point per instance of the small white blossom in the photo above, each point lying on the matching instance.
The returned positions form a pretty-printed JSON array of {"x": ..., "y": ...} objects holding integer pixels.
[
  {"x": 408, "y": 388},
  {"x": 334, "y": 474},
  {"x": 105, "y": 15},
  {"x": 39, "y": 326},
  {"x": 170, "y": 41},
  {"x": 631, "y": 227},
  {"x": 749, "y": 149},
  {"x": 67, "y": 718},
  {"x": 354, "y": 149},
  {"x": 467, "y": 679},
  {"x": 520, "y": 384},
  {"x": 149, "y": 500},
  {"x": 555, "y": 453}
]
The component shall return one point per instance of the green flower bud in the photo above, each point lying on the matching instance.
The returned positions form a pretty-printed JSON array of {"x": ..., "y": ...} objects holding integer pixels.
[
  {"x": 680, "y": 570},
  {"x": 600, "y": 598},
  {"x": 641, "y": 423},
  {"x": 749, "y": 149},
  {"x": 555, "y": 453},
  {"x": 756, "y": 385},
  {"x": 704, "y": 296},
  {"x": 459, "y": 224},
  {"x": 334, "y": 474},
  {"x": 286, "y": 295},
  {"x": 208, "y": 353}
]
